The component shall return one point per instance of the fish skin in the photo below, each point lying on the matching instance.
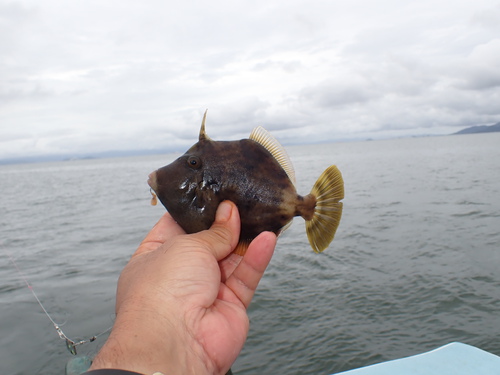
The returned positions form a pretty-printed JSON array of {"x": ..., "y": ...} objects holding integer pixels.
[
  {"x": 243, "y": 172},
  {"x": 248, "y": 173}
]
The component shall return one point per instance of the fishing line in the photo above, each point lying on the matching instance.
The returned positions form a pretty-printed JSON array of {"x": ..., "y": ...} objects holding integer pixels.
[{"x": 70, "y": 344}]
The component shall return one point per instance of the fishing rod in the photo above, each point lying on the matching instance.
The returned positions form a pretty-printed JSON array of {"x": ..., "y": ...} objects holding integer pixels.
[{"x": 70, "y": 344}]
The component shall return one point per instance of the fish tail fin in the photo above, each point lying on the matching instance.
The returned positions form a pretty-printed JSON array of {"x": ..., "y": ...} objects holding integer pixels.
[{"x": 328, "y": 191}]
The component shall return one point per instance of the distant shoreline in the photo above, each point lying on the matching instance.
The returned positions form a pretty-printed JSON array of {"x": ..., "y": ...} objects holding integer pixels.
[
  {"x": 478, "y": 129},
  {"x": 90, "y": 156}
]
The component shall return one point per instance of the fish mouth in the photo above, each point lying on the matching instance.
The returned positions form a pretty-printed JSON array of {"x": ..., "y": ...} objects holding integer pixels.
[{"x": 152, "y": 181}]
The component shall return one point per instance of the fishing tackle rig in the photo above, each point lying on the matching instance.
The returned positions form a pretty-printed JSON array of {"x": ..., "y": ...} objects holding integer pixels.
[{"x": 70, "y": 344}]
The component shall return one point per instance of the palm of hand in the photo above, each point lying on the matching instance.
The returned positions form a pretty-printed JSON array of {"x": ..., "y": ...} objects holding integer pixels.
[{"x": 192, "y": 285}]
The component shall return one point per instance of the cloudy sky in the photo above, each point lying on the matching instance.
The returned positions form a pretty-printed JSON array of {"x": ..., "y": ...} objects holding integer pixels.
[{"x": 91, "y": 75}]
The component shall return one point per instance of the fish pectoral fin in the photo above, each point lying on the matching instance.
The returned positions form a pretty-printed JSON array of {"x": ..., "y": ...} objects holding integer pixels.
[
  {"x": 328, "y": 191},
  {"x": 261, "y": 136},
  {"x": 242, "y": 247}
]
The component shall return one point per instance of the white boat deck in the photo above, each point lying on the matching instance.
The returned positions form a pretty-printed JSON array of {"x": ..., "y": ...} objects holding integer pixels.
[{"x": 451, "y": 359}]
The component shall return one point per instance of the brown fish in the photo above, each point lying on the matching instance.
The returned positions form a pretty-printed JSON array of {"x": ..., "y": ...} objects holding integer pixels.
[{"x": 257, "y": 175}]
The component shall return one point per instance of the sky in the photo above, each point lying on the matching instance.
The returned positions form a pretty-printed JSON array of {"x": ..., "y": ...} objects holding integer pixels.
[{"x": 87, "y": 76}]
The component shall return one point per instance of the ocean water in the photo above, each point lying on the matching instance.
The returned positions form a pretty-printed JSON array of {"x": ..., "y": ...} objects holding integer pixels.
[{"x": 415, "y": 263}]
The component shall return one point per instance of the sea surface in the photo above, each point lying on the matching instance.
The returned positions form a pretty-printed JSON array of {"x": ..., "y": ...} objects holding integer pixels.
[{"x": 415, "y": 263}]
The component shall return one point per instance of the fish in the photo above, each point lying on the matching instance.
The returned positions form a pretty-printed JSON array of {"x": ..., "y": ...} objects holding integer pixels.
[{"x": 258, "y": 176}]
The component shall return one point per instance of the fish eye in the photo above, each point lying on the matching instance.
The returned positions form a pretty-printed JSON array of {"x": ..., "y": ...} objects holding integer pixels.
[{"x": 194, "y": 162}]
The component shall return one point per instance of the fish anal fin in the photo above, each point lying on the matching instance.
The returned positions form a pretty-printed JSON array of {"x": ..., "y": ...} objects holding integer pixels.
[
  {"x": 285, "y": 227},
  {"x": 328, "y": 191},
  {"x": 262, "y": 136},
  {"x": 242, "y": 247}
]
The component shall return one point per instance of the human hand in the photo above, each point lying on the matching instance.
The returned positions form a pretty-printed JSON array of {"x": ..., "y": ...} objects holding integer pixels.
[{"x": 181, "y": 300}]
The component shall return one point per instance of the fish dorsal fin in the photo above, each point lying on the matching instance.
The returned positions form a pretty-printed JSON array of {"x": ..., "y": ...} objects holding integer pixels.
[
  {"x": 261, "y": 136},
  {"x": 203, "y": 133}
]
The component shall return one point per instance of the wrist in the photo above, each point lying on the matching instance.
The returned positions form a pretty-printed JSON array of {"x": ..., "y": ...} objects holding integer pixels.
[{"x": 149, "y": 344}]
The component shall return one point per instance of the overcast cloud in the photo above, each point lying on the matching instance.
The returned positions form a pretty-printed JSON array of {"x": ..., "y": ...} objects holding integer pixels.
[{"x": 89, "y": 76}]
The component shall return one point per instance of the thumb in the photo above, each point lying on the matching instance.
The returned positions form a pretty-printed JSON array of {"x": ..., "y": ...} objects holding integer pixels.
[{"x": 223, "y": 235}]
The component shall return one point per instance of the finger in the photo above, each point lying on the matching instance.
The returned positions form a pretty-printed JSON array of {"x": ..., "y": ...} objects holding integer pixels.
[
  {"x": 246, "y": 276},
  {"x": 164, "y": 229},
  {"x": 228, "y": 265},
  {"x": 223, "y": 235}
]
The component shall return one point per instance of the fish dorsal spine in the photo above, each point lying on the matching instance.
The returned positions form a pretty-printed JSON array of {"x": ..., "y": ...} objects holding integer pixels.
[
  {"x": 203, "y": 133},
  {"x": 261, "y": 136}
]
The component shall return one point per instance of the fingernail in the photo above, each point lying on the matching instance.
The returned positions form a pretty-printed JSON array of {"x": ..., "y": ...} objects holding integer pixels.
[{"x": 223, "y": 212}]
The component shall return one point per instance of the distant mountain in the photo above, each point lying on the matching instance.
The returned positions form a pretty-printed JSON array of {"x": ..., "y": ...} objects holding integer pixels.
[{"x": 480, "y": 129}]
